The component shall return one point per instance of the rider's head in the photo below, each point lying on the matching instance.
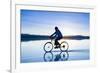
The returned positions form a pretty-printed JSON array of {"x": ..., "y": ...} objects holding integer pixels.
[{"x": 56, "y": 28}]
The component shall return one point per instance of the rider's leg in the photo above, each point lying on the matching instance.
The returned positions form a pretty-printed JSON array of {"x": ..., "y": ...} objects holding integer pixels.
[{"x": 57, "y": 44}]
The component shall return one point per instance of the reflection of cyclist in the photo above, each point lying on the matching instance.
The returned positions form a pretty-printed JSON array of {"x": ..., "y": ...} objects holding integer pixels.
[{"x": 57, "y": 35}]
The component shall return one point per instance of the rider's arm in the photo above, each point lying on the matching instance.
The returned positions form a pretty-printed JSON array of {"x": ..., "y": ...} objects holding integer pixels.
[{"x": 53, "y": 34}]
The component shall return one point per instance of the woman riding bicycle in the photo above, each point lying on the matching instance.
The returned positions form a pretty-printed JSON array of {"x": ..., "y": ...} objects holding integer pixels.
[{"x": 57, "y": 35}]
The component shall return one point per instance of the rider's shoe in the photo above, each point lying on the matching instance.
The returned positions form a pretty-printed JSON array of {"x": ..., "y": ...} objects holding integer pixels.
[
  {"x": 58, "y": 46},
  {"x": 55, "y": 47}
]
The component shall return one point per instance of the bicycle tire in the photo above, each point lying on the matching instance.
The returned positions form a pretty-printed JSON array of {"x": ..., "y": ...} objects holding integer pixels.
[
  {"x": 66, "y": 49},
  {"x": 45, "y": 47}
]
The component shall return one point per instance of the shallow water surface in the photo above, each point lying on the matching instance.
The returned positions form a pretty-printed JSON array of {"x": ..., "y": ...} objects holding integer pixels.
[{"x": 32, "y": 51}]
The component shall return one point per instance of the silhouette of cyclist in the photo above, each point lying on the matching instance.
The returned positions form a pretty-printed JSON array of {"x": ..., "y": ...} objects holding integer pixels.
[{"x": 57, "y": 35}]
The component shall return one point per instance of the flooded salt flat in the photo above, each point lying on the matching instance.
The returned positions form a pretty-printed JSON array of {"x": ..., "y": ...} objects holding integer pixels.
[{"x": 32, "y": 51}]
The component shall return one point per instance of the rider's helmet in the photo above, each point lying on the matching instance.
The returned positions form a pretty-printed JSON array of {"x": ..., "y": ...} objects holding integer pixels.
[{"x": 56, "y": 28}]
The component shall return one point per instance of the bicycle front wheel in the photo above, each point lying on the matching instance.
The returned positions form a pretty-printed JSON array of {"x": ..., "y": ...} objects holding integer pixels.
[
  {"x": 64, "y": 46},
  {"x": 48, "y": 47}
]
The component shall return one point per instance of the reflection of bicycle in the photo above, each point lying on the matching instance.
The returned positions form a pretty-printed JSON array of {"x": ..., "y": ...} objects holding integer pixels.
[
  {"x": 49, "y": 46},
  {"x": 50, "y": 56}
]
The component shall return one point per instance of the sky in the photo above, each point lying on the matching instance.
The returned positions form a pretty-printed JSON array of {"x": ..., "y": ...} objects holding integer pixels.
[{"x": 43, "y": 22}]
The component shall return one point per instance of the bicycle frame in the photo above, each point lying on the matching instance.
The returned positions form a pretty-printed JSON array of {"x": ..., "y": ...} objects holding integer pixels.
[
  {"x": 52, "y": 41},
  {"x": 63, "y": 46}
]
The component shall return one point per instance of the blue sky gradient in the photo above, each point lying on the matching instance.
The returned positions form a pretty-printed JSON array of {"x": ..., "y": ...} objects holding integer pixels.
[{"x": 43, "y": 22}]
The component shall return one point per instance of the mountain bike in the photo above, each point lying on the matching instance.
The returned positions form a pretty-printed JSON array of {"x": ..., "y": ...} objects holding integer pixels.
[{"x": 49, "y": 46}]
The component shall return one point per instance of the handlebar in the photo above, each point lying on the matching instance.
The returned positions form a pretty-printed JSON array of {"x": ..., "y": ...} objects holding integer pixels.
[{"x": 51, "y": 38}]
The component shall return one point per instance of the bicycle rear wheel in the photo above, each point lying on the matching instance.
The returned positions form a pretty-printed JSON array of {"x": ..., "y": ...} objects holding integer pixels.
[
  {"x": 48, "y": 47},
  {"x": 64, "y": 46}
]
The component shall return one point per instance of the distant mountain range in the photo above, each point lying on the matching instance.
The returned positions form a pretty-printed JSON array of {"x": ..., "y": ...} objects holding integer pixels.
[{"x": 28, "y": 37}]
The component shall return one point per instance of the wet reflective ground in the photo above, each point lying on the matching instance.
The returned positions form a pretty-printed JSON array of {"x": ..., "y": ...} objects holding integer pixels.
[{"x": 33, "y": 51}]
